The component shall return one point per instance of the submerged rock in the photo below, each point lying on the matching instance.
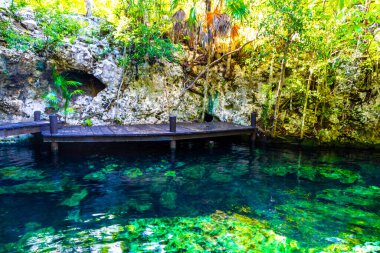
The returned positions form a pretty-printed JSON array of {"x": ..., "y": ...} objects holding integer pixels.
[
  {"x": 316, "y": 173},
  {"x": 170, "y": 173},
  {"x": 168, "y": 200},
  {"x": 355, "y": 195},
  {"x": 96, "y": 176},
  {"x": 18, "y": 173},
  {"x": 140, "y": 203},
  {"x": 132, "y": 172},
  {"x": 221, "y": 177},
  {"x": 101, "y": 175},
  {"x": 194, "y": 172},
  {"x": 33, "y": 187},
  {"x": 75, "y": 199}
]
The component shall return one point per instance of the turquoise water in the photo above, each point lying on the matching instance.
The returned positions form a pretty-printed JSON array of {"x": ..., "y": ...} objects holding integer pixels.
[{"x": 226, "y": 198}]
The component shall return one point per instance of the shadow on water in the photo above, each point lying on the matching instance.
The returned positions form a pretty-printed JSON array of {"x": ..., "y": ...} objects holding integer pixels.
[{"x": 294, "y": 190}]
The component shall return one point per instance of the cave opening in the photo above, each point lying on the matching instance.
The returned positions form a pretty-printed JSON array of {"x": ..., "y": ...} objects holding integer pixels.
[
  {"x": 91, "y": 85},
  {"x": 208, "y": 117}
]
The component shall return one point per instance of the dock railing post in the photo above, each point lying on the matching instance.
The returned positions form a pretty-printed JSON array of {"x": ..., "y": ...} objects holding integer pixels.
[
  {"x": 253, "y": 119},
  {"x": 173, "y": 129},
  {"x": 173, "y": 124},
  {"x": 53, "y": 119},
  {"x": 37, "y": 116},
  {"x": 253, "y": 125}
]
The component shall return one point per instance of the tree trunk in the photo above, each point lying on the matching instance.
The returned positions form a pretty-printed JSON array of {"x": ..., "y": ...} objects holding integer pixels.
[
  {"x": 205, "y": 85},
  {"x": 305, "y": 103},
  {"x": 271, "y": 69},
  {"x": 280, "y": 84},
  {"x": 88, "y": 8},
  {"x": 228, "y": 67},
  {"x": 208, "y": 6},
  {"x": 209, "y": 48}
]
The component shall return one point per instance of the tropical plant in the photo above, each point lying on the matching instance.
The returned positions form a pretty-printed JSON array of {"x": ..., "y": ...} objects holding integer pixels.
[{"x": 63, "y": 92}]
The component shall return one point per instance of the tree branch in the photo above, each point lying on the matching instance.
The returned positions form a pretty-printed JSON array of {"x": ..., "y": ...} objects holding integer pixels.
[
  {"x": 211, "y": 65},
  {"x": 187, "y": 87}
]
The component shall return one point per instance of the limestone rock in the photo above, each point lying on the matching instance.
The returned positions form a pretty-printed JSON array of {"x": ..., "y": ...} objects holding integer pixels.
[
  {"x": 29, "y": 24},
  {"x": 149, "y": 98}
]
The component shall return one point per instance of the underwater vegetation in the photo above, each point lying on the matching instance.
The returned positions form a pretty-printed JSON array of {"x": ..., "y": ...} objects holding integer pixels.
[
  {"x": 18, "y": 174},
  {"x": 229, "y": 202},
  {"x": 218, "y": 232},
  {"x": 316, "y": 173}
]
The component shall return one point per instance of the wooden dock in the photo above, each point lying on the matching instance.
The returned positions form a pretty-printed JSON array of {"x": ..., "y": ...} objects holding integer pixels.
[
  {"x": 53, "y": 131},
  {"x": 14, "y": 129},
  {"x": 145, "y": 132},
  {"x": 19, "y": 128}
]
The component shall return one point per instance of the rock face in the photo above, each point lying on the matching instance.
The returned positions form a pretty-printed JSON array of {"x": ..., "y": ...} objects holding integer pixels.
[{"x": 25, "y": 79}]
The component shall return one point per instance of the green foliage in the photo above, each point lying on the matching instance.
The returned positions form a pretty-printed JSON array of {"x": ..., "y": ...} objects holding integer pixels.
[
  {"x": 237, "y": 9},
  {"x": 52, "y": 100},
  {"x": 13, "y": 38},
  {"x": 266, "y": 105},
  {"x": 62, "y": 88},
  {"x": 88, "y": 122},
  {"x": 56, "y": 26},
  {"x": 144, "y": 44},
  {"x": 212, "y": 103}
]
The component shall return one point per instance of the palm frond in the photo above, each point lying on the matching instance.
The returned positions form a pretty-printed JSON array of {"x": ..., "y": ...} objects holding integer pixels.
[
  {"x": 234, "y": 31},
  {"x": 192, "y": 20},
  {"x": 237, "y": 9},
  {"x": 210, "y": 18},
  {"x": 77, "y": 92},
  {"x": 173, "y": 4},
  {"x": 73, "y": 83},
  {"x": 222, "y": 24}
]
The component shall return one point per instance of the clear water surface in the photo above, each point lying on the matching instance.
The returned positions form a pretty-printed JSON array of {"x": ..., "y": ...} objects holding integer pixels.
[{"x": 226, "y": 198}]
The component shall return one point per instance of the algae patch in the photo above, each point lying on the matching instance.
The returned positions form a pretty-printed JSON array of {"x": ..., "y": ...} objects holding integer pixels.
[
  {"x": 18, "y": 174},
  {"x": 316, "y": 173},
  {"x": 75, "y": 199}
]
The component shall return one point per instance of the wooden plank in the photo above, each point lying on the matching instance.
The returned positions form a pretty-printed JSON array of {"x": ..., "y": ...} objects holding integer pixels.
[
  {"x": 96, "y": 130},
  {"x": 146, "y": 132},
  {"x": 105, "y": 130},
  {"x": 136, "y": 138}
]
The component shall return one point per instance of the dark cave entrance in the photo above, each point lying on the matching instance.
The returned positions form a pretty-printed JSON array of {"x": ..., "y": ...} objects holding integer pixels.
[
  {"x": 91, "y": 85},
  {"x": 208, "y": 117}
]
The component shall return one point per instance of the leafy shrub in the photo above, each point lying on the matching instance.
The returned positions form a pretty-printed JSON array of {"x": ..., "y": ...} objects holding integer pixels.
[
  {"x": 56, "y": 26},
  {"x": 88, "y": 122},
  {"x": 144, "y": 44},
  {"x": 62, "y": 88},
  {"x": 13, "y": 38}
]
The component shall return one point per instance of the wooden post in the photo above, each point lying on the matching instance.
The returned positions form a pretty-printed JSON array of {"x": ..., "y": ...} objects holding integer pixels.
[
  {"x": 53, "y": 119},
  {"x": 173, "y": 145},
  {"x": 54, "y": 147},
  {"x": 173, "y": 129},
  {"x": 37, "y": 116},
  {"x": 253, "y": 125},
  {"x": 172, "y": 158},
  {"x": 173, "y": 124},
  {"x": 253, "y": 119}
]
